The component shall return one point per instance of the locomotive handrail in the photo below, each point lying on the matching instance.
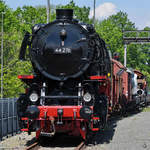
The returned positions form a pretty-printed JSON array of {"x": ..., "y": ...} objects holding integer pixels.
[{"x": 62, "y": 97}]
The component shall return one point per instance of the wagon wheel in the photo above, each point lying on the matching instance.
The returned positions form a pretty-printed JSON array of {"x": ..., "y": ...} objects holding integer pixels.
[{"x": 123, "y": 103}]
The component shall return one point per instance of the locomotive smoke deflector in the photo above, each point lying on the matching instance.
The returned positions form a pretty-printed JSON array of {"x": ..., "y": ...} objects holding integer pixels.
[{"x": 64, "y": 14}]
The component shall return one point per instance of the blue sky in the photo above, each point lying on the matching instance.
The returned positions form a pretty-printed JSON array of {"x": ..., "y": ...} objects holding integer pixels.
[{"x": 137, "y": 10}]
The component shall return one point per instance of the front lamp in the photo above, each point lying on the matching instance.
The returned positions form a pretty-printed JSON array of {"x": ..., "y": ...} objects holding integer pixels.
[
  {"x": 87, "y": 97},
  {"x": 33, "y": 97}
]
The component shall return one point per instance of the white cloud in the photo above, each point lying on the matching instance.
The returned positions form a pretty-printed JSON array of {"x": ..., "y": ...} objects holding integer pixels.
[{"x": 104, "y": 10}]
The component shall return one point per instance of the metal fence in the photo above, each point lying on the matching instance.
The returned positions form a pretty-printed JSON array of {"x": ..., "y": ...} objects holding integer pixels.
[{"x": 8, "y": 117}]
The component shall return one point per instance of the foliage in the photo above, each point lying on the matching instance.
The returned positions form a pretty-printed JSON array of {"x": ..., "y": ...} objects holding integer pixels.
[
  {"x": 111, "y": 29},
  {"x": 121, "y": 21},
  {"x": 12, "y": 40},
  {"x": 111, "y": 34}
]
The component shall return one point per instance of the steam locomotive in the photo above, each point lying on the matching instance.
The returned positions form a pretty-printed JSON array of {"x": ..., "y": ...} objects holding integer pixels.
[{"x": 70, "y": 87}]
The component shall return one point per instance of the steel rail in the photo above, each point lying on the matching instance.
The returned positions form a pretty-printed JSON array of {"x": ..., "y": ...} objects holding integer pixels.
[
  {"x": 81, "y": 146},
  {"x": 34, "y": 146}
]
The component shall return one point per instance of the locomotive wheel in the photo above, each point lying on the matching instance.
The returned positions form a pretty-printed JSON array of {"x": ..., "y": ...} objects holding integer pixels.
[
  {"x": 89, "y": 137},
  {"x": 105, "y": 111},
  {"x": 21, "y": 107},
  {"x": 101, "y": 109},
  {"x": 145, "y": 101},
  {"x": 123, "y": 104}
]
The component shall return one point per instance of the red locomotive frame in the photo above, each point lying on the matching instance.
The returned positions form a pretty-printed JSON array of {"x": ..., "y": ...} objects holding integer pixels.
[{"x": 73, "y": 123}]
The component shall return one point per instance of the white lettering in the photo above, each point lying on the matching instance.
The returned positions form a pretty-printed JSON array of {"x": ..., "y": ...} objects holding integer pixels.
[{"x": 62, "y": 50}]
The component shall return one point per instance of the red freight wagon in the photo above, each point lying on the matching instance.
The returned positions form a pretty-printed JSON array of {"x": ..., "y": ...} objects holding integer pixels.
[{"x": 121, "y": 86}]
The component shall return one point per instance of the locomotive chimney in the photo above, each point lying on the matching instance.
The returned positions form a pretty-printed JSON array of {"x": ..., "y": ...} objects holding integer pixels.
[{"x": 64, "y": 14}]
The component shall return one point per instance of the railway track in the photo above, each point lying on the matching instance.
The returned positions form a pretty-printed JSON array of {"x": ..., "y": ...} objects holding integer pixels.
[
  {"x": 81, "y": 146},
  {"x": 34, "y": 146}
]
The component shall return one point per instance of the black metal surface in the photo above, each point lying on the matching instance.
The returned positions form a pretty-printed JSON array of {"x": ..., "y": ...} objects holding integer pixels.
[
  {"x": 64, "y": 14},
  {"x": 32, "y": 112},
  {"x": 58, "y": 57},
  {"x": 8, "y": 118},
  {"x": 86, "y": 112}
]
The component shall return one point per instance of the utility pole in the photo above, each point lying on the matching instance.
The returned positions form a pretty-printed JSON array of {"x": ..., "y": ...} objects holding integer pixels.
[
  {"x": 94, "y": 12},
  {"x": 125, "y": 55},
  {"x": 2, "y": 61},
  {"x": 48, "y": 11}
]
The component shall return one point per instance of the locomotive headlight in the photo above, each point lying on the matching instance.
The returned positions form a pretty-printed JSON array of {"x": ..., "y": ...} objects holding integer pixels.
[
  {"x": 33, "y": 97},
  {"x": 87, "y": 97}
]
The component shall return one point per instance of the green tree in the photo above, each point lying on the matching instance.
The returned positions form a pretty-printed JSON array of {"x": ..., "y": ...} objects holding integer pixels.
[
  {"x": 12, "y": 41},
  {"x": 110, "y": 30},
  {"x": 121, "y": 21}
]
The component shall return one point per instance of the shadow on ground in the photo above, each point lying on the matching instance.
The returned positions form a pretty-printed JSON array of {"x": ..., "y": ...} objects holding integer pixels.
[
  {"x": 61, "y": 141},
  {"x": 106, "y": 136}
]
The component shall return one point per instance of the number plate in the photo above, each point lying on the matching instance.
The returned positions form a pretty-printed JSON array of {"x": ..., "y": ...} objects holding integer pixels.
[{"x": 62, "y": 51}]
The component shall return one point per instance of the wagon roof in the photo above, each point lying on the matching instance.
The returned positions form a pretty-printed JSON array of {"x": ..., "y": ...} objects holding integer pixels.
[{"x": 119, "y": 64}]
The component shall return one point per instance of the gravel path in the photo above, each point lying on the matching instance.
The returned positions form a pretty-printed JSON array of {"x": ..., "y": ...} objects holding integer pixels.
[
  {"x": 130, "y": 133},
  {"x": 17, "y": 142}
]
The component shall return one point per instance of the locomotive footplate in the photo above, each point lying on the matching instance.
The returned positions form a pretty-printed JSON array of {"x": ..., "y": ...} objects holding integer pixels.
[
  {"x": 60, "y": 114},
  {"x": 72, "y": 112}
]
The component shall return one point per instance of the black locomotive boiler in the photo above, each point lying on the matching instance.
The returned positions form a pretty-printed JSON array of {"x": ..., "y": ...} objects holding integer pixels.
[{"x": 69, "y": 89}]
